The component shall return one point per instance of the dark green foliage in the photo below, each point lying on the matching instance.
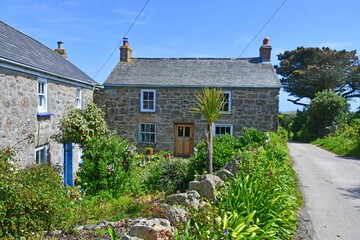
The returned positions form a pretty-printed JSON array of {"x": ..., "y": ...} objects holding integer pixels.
[
  {"x": 286, "y": 121},
  {"x": 224, "y": 150},
  {"x": 301, "y": 127},
  {"x": 345, "y": 140},
  {"x": 252, "y": 137},
  {"x": 168, "y": 176},
  {"x": 104, "y": 168},
  {"x": 327, "y": 109},
  {"x": 31, "y": 200},
  {"x": 307, "y": 71}
]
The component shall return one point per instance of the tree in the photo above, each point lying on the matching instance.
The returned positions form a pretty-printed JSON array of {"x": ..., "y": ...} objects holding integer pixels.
[
  {"x": 326, "y": 110},
  {"x": 307, "y": 71},
  {"x": 210, "y": 103},
  {"x": 81, "y": 125}
]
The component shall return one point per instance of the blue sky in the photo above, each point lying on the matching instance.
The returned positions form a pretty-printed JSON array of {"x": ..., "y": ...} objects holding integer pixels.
[{"x": 92, "y": 29}]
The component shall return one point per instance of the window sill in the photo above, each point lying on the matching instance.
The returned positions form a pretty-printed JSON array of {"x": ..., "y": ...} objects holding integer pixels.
[
  {"x": 44, "y": 115},
  {"x": 147, "y": 111},
  {"x": 225, "y": 113}
]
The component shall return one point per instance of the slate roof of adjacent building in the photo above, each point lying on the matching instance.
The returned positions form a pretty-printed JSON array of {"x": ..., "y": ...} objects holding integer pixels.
[
  {"x": 17, "y": 48},
  {"x": 193, "y": 72}
]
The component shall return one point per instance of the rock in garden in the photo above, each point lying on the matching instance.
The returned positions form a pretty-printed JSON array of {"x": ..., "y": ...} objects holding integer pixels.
[
  {"x": 206, "y": 186},
  {"x": 224, "y": 173},
  {"x": 232, "y": 166},
  {"x": 156, "y": 228}
]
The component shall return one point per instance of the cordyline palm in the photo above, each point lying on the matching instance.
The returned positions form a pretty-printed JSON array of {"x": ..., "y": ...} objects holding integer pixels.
[{"x": 210, "y": 103}]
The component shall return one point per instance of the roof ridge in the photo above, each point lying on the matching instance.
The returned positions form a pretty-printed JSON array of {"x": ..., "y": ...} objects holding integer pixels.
[{"x": 192, "y": 58}]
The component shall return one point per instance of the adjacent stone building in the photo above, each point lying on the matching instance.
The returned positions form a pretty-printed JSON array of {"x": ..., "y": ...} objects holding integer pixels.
[
  {"x": 38, "y": 87},
  {"x": 148, "y": 100}
]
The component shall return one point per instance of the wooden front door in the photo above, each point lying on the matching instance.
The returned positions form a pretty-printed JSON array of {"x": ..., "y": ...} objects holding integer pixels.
[{"x": 184, "y": 139}]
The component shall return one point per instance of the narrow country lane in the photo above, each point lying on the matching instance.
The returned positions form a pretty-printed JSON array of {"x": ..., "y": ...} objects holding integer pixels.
[{"x": 331, "y": 188}]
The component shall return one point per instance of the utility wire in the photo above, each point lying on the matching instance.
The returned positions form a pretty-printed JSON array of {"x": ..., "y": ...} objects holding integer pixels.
[
  {"x": 257, "y": 34},
  {"x": 117, "y": 46}
]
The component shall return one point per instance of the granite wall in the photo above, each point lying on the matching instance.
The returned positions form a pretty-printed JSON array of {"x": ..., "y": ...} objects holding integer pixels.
[
  {"x": 19, "y": 119},
  {"x": 256, "y": 108}
]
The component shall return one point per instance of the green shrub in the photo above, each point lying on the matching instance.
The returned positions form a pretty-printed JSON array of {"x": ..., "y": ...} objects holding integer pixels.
[
  {"x": 327, "y": 109},
  {"x": 252, "y": 137},
  {"x": 32, "y": 200},
  {"x": 167, "y": 176},
  {"x": 174, "y": 176},
  {"x": 104, "y": 167},
  {"x": 224, "y": 150},
  {"x": 345, "y": 140},
  {"x": 286, "y": 121},
  {"x": 301, "y": 122}
]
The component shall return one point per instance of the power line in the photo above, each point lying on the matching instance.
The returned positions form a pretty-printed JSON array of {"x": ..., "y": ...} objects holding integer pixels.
[
  {"x": 117, "y": 46},
  {"x": 257, "y": 34}
]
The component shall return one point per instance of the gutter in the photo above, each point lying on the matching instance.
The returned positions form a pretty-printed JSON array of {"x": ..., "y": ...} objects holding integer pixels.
[{"x": 182, "y": 86}]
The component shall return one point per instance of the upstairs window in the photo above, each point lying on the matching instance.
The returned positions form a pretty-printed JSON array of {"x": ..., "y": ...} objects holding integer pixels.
[
  {"x": 222, "y": 129},
  {"x": 227, "y": 102},
  {"x": 79, "y": 97},
  {"x": 40, "y": 155},
  {"x": 147, "y": 133},
  {"x": 42, "y": 94},
  {"x": 148, "y": 100}
]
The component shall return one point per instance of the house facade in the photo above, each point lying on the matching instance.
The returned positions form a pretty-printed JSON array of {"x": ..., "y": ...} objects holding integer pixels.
[
  {"x": 148, "y": 100},
  {"x": 38, "y": 87}
]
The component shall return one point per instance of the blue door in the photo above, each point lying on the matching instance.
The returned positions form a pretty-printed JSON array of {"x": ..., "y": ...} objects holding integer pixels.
[{"x": 68, "y": 164}]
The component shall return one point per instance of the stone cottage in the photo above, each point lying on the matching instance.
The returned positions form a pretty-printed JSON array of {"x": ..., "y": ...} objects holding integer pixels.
[
  {"x": 147, "y": 100},
  {"x": 38, "y": 87}
]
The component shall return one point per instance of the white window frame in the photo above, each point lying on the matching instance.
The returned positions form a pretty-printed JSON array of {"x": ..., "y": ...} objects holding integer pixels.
[
  {"x": 222, "y": 125},
  {"x": 146, "y": 132},
  {"x": 80, "y": 153},
  {"x": 142, "y": 100},
  {"x": 79, "y": 97},
  {"x": 229, "y": 103},
  {"x": 41, "y": 152},
  {"x": 42, "y": 94}
]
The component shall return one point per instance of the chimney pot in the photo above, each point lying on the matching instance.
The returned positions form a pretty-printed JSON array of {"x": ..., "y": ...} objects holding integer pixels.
[
  {"x": 265, "y": 51},
  {"x": 266, "y": 41},
  {"x": 125, "y": 51},
  {"x": 60, "y": 44},
  {"x": 125, "y": 41},
  {"x": 60, "y": 50}
]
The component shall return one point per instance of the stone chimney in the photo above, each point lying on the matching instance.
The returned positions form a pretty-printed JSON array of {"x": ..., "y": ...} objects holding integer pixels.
[
  {"x": 265, "y": 51},
  {"x": 125, "y": 51},
  {"x": 60, "y": 50}
]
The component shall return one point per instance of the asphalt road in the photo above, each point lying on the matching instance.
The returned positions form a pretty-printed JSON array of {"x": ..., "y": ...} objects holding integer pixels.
[{"x": 331, "y": 188}]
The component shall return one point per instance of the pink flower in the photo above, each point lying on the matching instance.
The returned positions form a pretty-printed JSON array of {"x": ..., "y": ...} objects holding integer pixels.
[{"x": 270, "y": 173}]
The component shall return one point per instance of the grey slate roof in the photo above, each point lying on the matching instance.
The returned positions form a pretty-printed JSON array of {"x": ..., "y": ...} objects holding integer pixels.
[
  {"x": 21, "y": 49},
  {"x": 193, "y": 72}
]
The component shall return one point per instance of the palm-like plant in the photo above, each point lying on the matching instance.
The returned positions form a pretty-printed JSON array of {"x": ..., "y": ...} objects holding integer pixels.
[{"x": 210, "y": 103}]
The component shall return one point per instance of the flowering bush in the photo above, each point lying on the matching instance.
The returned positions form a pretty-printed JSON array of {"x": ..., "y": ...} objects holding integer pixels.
[{"x": 82, "y": 125}]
